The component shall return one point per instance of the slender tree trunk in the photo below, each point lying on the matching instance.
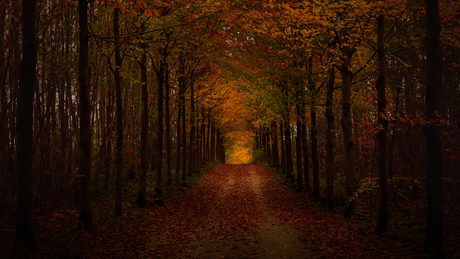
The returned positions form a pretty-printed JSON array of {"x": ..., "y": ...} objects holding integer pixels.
[
  {"x": 288, "y": 150},
  {"x": 314, "y": 153},
  {"x": 86, "y": 213},
  {"x": 298, "y": 149},
  {"x": 276, "y": 156},
  {"x": 382, "y": 217},
  {"x": 348, "y": 142},
  {"x": 213, "y": 142},
  {"x": 178, "y": 143},
  {"x": 184, "y": 123},
  {"x": 306, "y": 163},
  {"x": 330, "y": 139},
  {"x": 24, "y": 235},
  {"x": 169, "y": 179},
  {"x": 119, "y": 114},
  {"x": 184, "y": 140},
  {"x": 283, "y": 154},
  {"x": 192, "y": 148},
  {"x": 108, "y": 158},
  {"x": 434, "y": 234},
  {"x": 203, "y": 140},
  {"x": 142, "y": 198},
  {"x": 159, "y": 141},
  {"x": 208, "y": 139}
]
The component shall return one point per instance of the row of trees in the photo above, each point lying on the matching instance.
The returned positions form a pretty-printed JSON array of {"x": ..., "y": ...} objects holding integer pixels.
[
  {"x": 101, "y": 88},
  {"x": 159, "y": 85},
  {"x": 394, "y": 62}
]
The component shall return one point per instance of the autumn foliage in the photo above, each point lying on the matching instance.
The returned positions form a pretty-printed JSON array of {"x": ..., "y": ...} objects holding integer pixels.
[{"x": 353, "y": 104}]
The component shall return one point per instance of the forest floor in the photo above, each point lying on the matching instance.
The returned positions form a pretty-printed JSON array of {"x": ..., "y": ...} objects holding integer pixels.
[{"x": 233, "y": 211}]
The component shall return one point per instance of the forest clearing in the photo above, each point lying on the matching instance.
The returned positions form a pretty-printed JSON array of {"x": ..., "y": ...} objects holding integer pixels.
[{"x": 208, "y": 128}]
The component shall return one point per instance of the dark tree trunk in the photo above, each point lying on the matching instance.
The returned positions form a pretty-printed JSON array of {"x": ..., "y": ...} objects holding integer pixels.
[
  {"x": 178, "y": 143},
  {"x": 184, "y": 124},
  {"x": 208, "y": 139},
  {"x": 330, "y": 139},
  {"x": 434, "y": 234},
  {"x": 382, "y": 217},
  {"x": 142, "y": 198},
  {"x": 86, "y": 213},
  {"x": 283, "y": 154},
  {"x": 298, "y": 149},
  {"x": 119, "y": 115},
  {"x": 349, "y": 145},
  {"x": 203, "y": 140},
  {"x": 276, "y": 156},
  {"x": 288, "y": 150},
  {"x": 169, "y": 179},
  {"x": 192, "y": 148},
  {"x": 314, "y": 153},
  {"x": 306, "y": 162},
  {"x": 213, "y": 142},
  {"x": 24, "y": 236},
  {"x": 159, "y": 141}
]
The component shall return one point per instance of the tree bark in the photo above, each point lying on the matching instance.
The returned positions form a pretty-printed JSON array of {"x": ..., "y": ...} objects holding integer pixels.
[
  {"x": 192, "y": 148},
  {"x": 288, "y": 150},
  {"x": 276, "y": 156},
  {"x": 86, "y": 213},
  {"x": 119, "y": 115},
  {"x": 178, "y": 143},
  {"x": 169, "y": 179},
  {"x": 382, "y": 216},
  {"x": 434, "y": 233},
  {"x": 283, "y": 154},
  {"x": 314, "y": 153},
  {"x": 182, "y": 92},
  {"x": 330, "y": 139},
  {"x": 24, "y": 235},
  {"x": 347, "y": 128},
  {"x": 298, "y": 143},
  {"x": 159, "y": 141},
  {"x": 142, "y": 198},
  {"x": 306, "y": 162}
]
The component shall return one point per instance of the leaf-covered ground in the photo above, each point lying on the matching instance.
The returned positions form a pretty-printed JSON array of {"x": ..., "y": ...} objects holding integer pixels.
[{"x": 234, "y": 211}]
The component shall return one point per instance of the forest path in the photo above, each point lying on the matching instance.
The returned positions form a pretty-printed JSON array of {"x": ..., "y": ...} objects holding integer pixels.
[
  {"x": 255, "y": 233},
  {"x": 233, "y": 211}
]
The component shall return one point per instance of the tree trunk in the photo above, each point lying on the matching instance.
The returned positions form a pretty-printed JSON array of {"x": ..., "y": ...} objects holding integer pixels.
[
  {"x": 208, "y": 139},
  {"x": 434, "y": 233},
  {"x": 330, "y": 139},
  {"x": 283, "y": 154},
  {"x": 168, "y": 130},
  {"x": 142, "y": 198},
  {"x": 276, "y": 156},
  {"x": 192, "y": 149},
  {"x": 348, "y": 142},
  {"x": 178, "y": 143},
  {"x": 182, "y": 91},
  {"x": 288, "y": 150},
  {"x": 159, "y": 141},
  {"x": 119, "y": 115},
  {"x": 314, "y": 153},
  {"x": 86, "y": 213},
  {"x": 306, "y": 162},
  {"x": 298, "y": 149},
  {"x": 382, "y": 217},
  {"x": 24, "y": 235}
]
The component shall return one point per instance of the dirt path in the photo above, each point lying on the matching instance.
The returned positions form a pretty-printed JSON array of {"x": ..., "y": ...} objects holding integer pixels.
[{"x": 264, "y": 237}]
